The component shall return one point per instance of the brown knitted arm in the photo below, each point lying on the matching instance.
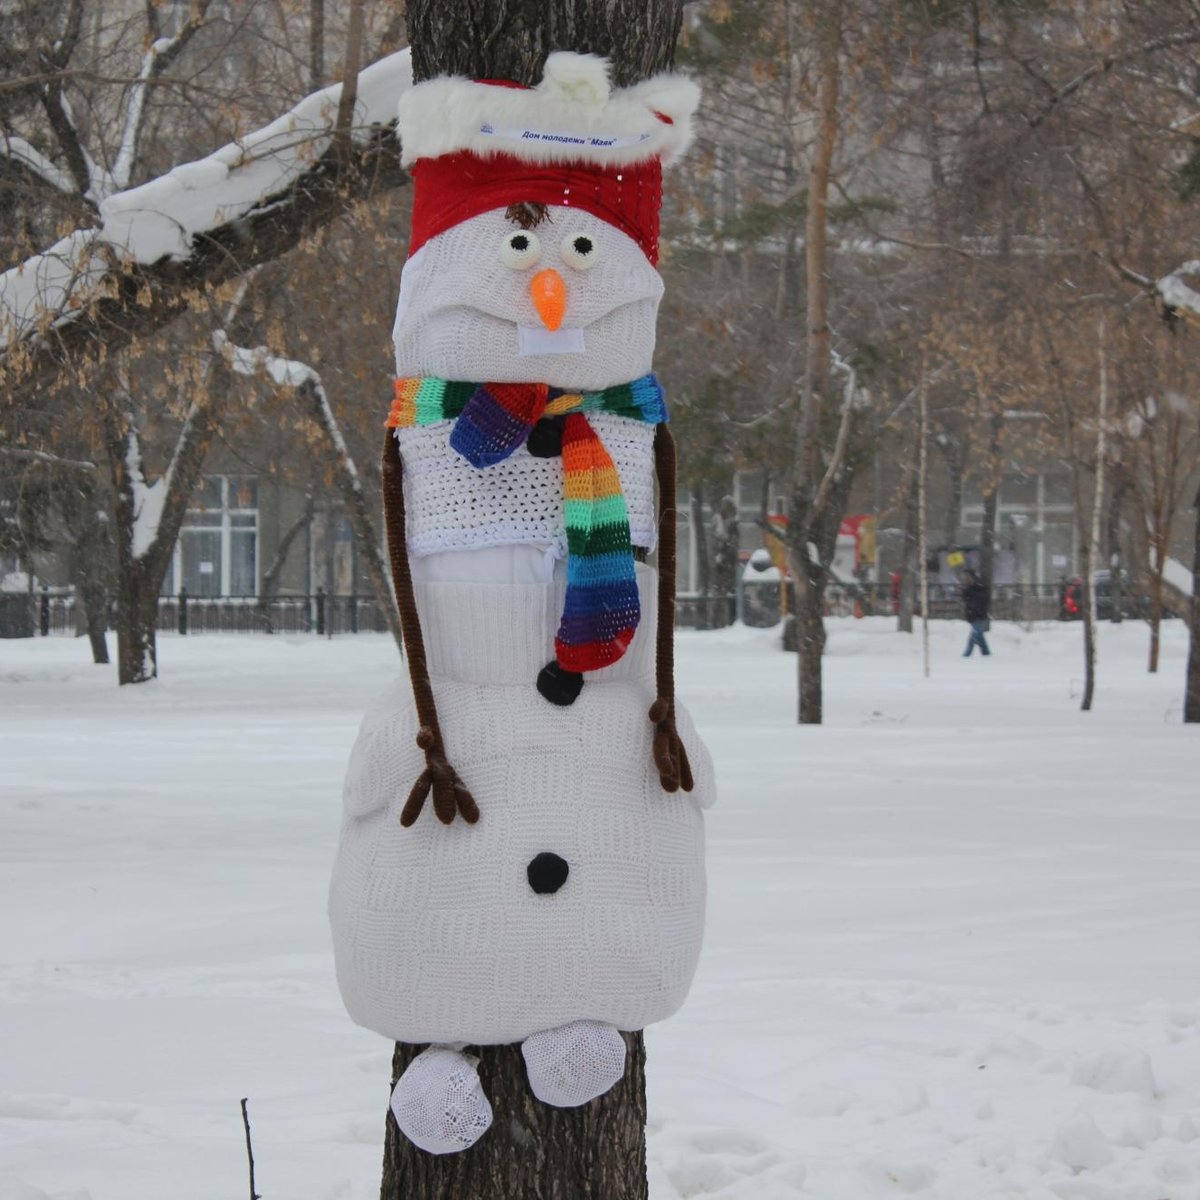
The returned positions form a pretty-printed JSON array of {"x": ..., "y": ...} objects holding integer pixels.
[
  {"x": 449, "y": 793},
  {"x": 670, "y": 757}
]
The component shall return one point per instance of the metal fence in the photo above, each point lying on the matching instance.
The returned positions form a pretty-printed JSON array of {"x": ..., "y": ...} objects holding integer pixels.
[{"x": 53, "y": 611}]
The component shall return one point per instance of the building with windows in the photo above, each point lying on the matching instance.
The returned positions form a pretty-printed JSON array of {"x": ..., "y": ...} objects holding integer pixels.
[{"x": 217, "y": 553}]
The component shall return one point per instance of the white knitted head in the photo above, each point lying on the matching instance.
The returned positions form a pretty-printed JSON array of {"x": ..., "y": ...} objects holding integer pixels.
[{"x": 466, "y": 312}]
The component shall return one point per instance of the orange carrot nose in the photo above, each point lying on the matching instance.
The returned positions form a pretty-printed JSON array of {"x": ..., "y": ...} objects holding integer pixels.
[{"x": 549, "y": 297}]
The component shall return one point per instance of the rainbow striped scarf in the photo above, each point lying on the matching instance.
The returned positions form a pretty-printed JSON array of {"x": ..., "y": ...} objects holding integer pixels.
[{"x": 602, "y": 608}]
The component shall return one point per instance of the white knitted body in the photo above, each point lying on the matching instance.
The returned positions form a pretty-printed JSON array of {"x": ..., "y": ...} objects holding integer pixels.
[
  {"x": 461, "y": 309},
  {"x": 451, "y": 505},
  {"x": 438, "y": 936}
]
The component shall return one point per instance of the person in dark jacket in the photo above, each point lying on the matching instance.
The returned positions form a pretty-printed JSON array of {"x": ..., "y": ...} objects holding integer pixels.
[{"x": 975, "y": 609}]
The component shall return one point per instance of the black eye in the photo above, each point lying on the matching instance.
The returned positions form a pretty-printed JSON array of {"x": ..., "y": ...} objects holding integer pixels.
[
  {"x": 520, "y": 250},
  {"x": 579, "y": 251}
]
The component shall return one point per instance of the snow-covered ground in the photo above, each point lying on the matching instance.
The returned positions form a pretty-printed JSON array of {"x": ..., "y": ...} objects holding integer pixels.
[{"x": 953, "y": 946}]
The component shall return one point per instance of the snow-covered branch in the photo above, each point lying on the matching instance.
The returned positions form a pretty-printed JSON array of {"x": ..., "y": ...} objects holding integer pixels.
[
  {"x": 287, "y": 372},
  {"x": 17, "y": 150},
  {"x": 1171, "y": 41},
  {"x": 852, "y": 400},
  {"x": 162, "y": 53},
  {"x": 201, "y": 224},
  {"x": 1180, "y": 298},
  {"x": 41, "y": 458}
]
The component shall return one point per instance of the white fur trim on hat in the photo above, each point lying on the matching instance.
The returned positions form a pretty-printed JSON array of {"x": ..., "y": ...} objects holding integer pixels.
[{"x": 572, "y": 114}]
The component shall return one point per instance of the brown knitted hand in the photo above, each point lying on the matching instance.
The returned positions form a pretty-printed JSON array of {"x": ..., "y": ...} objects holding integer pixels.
[
  {"x": 670, "y": 757},
  {"x": 450, "y": 794}
]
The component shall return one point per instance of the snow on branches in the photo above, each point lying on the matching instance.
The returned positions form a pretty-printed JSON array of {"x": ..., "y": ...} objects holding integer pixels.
[
  {"x": 205, "y": 208},
  {"x": 1181, "y": 299}
]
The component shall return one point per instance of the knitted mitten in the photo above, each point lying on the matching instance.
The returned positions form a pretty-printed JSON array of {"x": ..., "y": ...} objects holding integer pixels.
[
  {"x": 575, "y": 1063},
  {"x": 438, "y": 1102}
]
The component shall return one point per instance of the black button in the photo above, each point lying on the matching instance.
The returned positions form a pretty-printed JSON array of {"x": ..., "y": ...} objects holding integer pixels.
[
  {"x": 545, "y": 438},
  {"x": 547, "y": 873},
  {"x": 558, "y": 685}
]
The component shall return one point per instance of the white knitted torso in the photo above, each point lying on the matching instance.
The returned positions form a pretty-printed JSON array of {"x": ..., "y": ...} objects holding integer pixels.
[
  {"x": 451, "y": 505},
  {"x": 438, "y": 936}
]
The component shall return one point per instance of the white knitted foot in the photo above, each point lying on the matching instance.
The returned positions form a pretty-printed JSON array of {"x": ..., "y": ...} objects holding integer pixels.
[
  {"x": 438, "y": 1101},
  {"x": 575, "y": 1063}
]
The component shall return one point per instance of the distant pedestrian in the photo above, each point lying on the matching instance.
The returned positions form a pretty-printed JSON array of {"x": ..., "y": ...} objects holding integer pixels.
[{"x": 975, "y": 609}]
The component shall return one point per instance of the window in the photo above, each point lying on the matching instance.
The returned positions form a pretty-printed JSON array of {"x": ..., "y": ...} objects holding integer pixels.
[{"x": 217, "y": 551}]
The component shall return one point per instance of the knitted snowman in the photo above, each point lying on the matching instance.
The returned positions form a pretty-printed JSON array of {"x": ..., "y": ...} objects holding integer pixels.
[{"x": 567, "y": 903}]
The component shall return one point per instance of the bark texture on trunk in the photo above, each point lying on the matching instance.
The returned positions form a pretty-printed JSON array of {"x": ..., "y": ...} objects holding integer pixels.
[
  {"x": 1191, "y": 703},
  {"x": 91, "y": 555},
  {"x": 532, "y": 1151},
  {"x": 510, "y": 39},
  {"x": 810, "y": 640}
]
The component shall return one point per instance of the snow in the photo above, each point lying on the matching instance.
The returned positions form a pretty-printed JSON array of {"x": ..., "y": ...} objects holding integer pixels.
[
  {"x": 951, "y": 952},
  {"x": 148, "y": 498},
  {"x": 1178, "y": 576},
  {"x": 1176, "y": 294},
  {"x": 30, "y": 157},
  {"x": 16, "y": 581},
  {"x": 160, "y": 219}
]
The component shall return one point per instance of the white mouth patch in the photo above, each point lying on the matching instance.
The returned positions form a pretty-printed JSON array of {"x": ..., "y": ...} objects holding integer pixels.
[{"x": 531, "y": 340}]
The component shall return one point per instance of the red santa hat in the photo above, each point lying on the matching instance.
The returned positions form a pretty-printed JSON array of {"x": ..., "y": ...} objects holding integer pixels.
[{"x": 572, "y": 141}]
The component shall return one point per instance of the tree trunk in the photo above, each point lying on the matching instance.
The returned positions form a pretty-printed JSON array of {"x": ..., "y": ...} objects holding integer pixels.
[
  {"x": 1116, "y": 560},
  {"x": 144, "y": 555},
  {"x": 987, "y": 537},
  {"x": 1156, "y": 602},
  {"x": 510, "y": 39},
  {"x": 807, "y": 512},
  {"x": 1092, "y": 540},
  {"x": 270, "y": 578},
  {"x": 703, "y": 562},
  {"x": 908, "y": 567},
  {"x": 316, "y": 44},
  {"x": 532, "y": 1151},
  {"x": 137, "y": 614},
  {"x": 89, "y": 563},
  {"x": 991, "y": 503},
  {"x": 1089, "y": 625},
  {"x": 1191, "y": 703},
  {"x": 810, "y": 639}
]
